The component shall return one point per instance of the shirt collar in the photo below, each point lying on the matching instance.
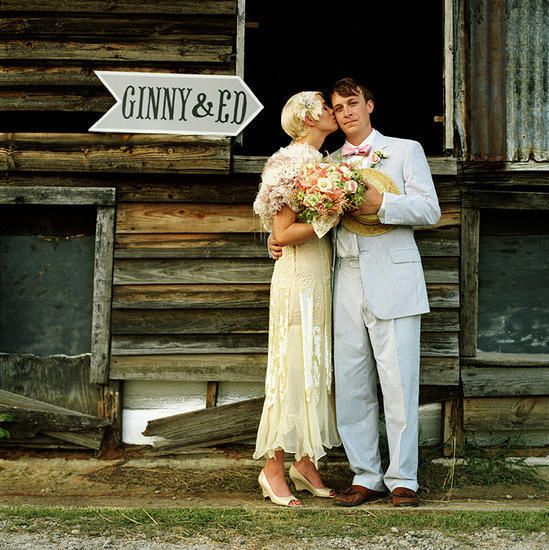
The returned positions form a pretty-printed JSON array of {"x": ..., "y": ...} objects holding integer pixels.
[{"x": 368, "y": 141}]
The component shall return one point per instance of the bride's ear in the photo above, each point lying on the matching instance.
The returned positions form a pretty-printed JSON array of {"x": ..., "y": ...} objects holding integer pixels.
[{"x": 309, "y": 121}]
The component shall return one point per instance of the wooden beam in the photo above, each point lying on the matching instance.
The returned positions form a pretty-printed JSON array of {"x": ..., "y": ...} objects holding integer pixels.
[
  {"x": 438, "y": 242},
  {"x": 504, "y": 381},
  {"x": 102, "y": 291},
  {"x": 228, "y": 367},
  {"x": 185, "y": 218},
  {"x": 93, "y": 196},
  {"x": 173, "y": 344},
  {"x": 25, "y": 99},
  {"x": 69, "y": 78},
  {"x": 433, "y": 344},
  {"x": 138, "y": 187},
  {"x": 231, "y": 296},
  {"x": 162, "y": 7},
  {"x": 515, "y": 200},
  {"x": 190, "y": 296},
  {"x": 443, "y": 296},
  {"x": 506, "y": 413},
  {"x": 29, "y": 422},
  {"x": 192, "y": 51},
  {"x": 212, "y": 321},
  {"x": 107, "y": 25},
  {"x": 61, "y": 152},
  {"x": 470, "y": 242},
  {"x": 242, "y": 164},
  {"x": 191, "y": 245},
  {"x": 193, "y": 271},
  {"x": 441, "y": 371},
  {"x": 237, "y": 421},
  {"x": 238, "y": 271},
  {"x": 492, "y": 359}
]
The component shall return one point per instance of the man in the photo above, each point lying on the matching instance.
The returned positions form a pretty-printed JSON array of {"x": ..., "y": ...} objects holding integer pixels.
[{"x": 379, "y": 296}]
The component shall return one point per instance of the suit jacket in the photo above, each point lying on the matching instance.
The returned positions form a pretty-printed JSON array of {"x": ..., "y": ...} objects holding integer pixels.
[{"x": 392, "y": 274}]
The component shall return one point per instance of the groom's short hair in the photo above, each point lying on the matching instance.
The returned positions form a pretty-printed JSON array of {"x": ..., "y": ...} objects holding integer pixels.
[{"x": 346, "y": 87}]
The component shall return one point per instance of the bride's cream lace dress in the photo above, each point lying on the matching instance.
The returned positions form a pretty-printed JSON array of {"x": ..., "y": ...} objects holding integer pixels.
[{"x": 298, "y": 415}]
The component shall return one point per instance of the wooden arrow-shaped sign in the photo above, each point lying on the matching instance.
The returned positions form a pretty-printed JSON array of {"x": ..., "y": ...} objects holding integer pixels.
[{"x": 157, "y": 103}]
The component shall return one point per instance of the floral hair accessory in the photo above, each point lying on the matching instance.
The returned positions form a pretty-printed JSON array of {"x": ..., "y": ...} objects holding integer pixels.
[{"x": 308, "y": 103}]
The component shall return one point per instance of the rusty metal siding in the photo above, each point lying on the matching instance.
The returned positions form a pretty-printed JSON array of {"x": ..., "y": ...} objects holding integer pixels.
[
  {"x": 527, "y": 83},
  {"x": 506, "y": 68}
]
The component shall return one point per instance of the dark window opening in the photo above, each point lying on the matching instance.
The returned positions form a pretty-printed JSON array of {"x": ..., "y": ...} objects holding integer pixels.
[
  {"x": 46, "y": 279},
  {"x": 513, "y": 282},
  {"x": 293, "y": 46}
]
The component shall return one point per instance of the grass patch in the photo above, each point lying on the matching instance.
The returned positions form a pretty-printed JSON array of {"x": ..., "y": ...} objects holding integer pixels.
[{"x": 261, "y": 525}]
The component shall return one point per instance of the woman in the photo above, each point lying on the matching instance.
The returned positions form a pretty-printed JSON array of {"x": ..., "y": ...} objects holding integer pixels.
[{"x": 298, "y": 415}]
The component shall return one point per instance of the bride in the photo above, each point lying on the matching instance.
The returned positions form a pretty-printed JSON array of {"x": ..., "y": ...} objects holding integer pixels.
[{"x": 298, "y": 414}]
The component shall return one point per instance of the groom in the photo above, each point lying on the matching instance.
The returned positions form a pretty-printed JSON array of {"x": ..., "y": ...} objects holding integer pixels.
[
  {"x": 377, "y": 335},
  {"x": 379, "y": 296}
]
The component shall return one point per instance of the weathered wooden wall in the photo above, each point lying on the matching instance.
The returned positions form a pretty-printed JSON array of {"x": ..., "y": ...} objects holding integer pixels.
[
  {"x": 49, "y": 96},
  {"x": 192, "y": 279},
  {"x": 49, "y": 49}
]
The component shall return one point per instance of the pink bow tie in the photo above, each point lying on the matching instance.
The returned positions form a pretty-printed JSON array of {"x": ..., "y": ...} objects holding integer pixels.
[{"x": 349, "y": 150}]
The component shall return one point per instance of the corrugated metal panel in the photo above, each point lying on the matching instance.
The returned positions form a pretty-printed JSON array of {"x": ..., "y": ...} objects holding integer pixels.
[
  {"x": 507, "y": 80},
  {"x": 527, "y": 82}
]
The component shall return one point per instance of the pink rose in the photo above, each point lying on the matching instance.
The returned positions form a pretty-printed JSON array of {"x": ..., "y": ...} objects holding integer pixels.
[{"x": 374, "y": 159}]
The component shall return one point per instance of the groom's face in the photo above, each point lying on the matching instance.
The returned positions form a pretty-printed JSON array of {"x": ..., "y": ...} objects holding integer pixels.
[{"x": 353, "y": 115}]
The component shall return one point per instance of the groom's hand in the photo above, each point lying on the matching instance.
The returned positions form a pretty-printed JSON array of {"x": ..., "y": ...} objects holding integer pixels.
[
  {"x": 372, "y": 200},
  {"x": 275, "y": 249}
]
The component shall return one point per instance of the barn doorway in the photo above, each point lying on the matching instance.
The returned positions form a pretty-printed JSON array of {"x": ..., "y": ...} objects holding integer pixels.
[{"x": 292, "y": 46}]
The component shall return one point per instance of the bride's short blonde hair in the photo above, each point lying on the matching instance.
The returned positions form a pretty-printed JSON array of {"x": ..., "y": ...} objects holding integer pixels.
[{"x": 296, "y": 109}]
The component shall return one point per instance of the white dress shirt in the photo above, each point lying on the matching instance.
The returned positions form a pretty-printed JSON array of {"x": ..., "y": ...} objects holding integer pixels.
[{"x": 346, "y": 244}]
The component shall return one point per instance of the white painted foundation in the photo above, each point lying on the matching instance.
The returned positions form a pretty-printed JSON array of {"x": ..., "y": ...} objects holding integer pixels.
[{"x": 146, "y": 400}]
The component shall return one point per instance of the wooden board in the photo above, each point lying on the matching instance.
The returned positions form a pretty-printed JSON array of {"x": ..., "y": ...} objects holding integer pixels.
[
  {"x": 185, "y": 218},
  {"x": 506, "y": 413},
  {"x": 237, "y": 271},
  {"x": 224, "y": 367},
  {"x": 213, "y": 321},
  {"x": 446, "y": 166},
  {"x": 164, "y": 7},
  {"x": 113, "y": 153},
  {"x": 203, "y": 218},
  {"x": 500, "y": 374},
  {"x": 58, "y": 380},
  {"x": 187, "y": 51},
  {"x": 237, "y": 421},
  {"x": 190, "y": 296}
]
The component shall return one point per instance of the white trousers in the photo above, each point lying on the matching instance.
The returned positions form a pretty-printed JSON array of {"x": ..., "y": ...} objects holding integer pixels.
[{"x": 363, "y": 346}]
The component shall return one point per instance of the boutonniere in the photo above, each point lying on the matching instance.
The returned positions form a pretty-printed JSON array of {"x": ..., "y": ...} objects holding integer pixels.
[{"x": 376, "y": 157}]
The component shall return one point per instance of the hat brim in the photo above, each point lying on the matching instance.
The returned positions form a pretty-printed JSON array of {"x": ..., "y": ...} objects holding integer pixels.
[{"x": 368, "y": 225}]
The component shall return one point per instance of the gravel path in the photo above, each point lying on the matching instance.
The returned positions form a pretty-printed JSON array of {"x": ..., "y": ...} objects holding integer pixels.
[{"x": 493, "y": 539}]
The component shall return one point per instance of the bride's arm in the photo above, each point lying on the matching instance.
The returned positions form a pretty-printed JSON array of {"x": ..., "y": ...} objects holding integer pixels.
[{"x": 287, "y": 231}]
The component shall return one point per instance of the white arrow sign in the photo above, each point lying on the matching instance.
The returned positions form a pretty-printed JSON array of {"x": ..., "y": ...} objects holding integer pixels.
[{"x": 153, "y": 103}]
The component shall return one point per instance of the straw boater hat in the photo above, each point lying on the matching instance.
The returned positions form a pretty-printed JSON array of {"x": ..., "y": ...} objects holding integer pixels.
[{"x": 369, "y": 225}]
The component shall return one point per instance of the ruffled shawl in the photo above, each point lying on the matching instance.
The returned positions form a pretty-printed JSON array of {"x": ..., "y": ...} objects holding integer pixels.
[{"x": 278, "y": 179}]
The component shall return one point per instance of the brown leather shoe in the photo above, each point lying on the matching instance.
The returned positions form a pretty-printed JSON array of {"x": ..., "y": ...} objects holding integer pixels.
[
  {"x": 401, "y": 496},
  {"x": 356, "y": 495}
]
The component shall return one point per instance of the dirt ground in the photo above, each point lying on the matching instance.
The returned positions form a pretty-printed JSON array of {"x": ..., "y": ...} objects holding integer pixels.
[{"x": 218, "y": 478}]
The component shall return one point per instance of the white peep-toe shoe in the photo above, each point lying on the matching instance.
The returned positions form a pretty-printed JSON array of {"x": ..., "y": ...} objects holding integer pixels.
[
  {"x": 302, "y": 483},
  {"x": 269, "y": 493}
]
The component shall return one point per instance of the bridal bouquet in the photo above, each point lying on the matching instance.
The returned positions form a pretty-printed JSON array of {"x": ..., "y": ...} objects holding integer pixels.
[{"x": 325, "y": 191}]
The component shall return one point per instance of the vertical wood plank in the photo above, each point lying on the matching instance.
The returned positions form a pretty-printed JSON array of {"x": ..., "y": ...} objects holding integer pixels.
[
  {"x": 449, "y": 74},
  {"x": 453, "y": 435},
  {"x": 102, "y": 294},
  {"x": 470, "y": 229},
  {"x": 211, "y": 394},
  {"x": 110, "y": 407}
]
